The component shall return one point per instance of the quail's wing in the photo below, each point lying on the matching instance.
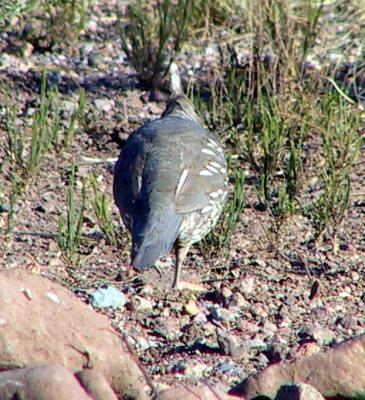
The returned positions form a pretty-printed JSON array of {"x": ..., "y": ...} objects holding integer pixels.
[
  {"x": 203, "y": 174},
  {"x": 128, "y": 174}
]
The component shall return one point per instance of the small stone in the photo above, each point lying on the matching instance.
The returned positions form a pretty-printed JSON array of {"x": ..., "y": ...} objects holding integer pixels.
[
  {"x": 27, "y": 50},
  {"x": 191, "y": 308},
  {"x": 355, "y": 276},
  {"x": 142, "y": 304},
  {"x": 262, "y": 360},
  {"x": 155, "y": 108},
  {"x": 134, "y": 119},
  {"x": 147, "y": 290},
  {"x": 323, "y": 336},
  {"x": 104, "y": 104},
  {"x": 201, "y": 318},
  {"x": 108, "y": 297},
  {"x": 258, "y": 310},
  {"x": 248, "y": 327},
  {"x": 96, "y": 59},
  {"x": 347, "y": 321},
  {"x": 222, "y": 314},
  {"x": 247, "y": 285},
  {"x": 53, "y": 297},
  {"x": 228, "y": 368},
  {"x": 91, "y": 25},
  {"x": 256, "y": 344},
  {"x": 237, "y": 300},
  {"x": 6, "y": 60},
  {"x": 307, "y": 349},
  {"x": 197, "y": 370},
  {"x": 269, "y": 327},
  {"x": 40, "y": 209},
  {"x": 229, "y": 344},
  {"x": 226, "y": 292},
  {"x": 86, "y": 48},
  {"x": 69, "y": 106},
  {"x": 178, "y": 367}
]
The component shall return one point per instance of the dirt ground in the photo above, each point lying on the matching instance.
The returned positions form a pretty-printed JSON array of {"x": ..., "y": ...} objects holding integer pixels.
[{"x": 259, "y": 305}]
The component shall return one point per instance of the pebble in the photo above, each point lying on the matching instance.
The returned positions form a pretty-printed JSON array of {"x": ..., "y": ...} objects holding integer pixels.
[
  {"x": 322, "y": 335},
  {"x": 6, "y": 60},
  {"x": 247, "y": 285},
  {"x": 237, "y": 300},
  {"x": 191, "y": 308},
  {"x": 201, "y": 318},
  {"x": 228, "y": 368},
  {"x": 197, "y": 370},
  {"x": 221, "y": 314},
  {"x": 230, "y": 344},
  {"x": 108, "y": 297},
  {"x": 258, "y": 310},
  {"x": 258, "y": 344},
  {"x": 104, "y": 104},
  {"x": 69, "y": 105}
]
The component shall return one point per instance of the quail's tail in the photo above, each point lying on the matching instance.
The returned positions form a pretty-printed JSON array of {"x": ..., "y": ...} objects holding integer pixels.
[{"x": 153, "y": 236}]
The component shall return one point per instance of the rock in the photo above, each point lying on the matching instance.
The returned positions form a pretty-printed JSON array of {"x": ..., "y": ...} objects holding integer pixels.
[
  {"x": 200, "y": 319},
  {"x": 108, "y": 297},
  {"x": 104, "y": 104},
  {"x": 339, "y": 371},
  {"x": 193, "y": 393},
  {"x": 191, "y": 308},
  {"x": 196, "y": 370},
  {"x": 43, "y": 382},
  {"x": 96, "y": 385},
  {"x": 247, "y": 285},
  {"x": 230, "y": 345},
  {"x": 6, "y": 60},
  {"x": 322, "y": 335},
  {"x": 222, "y": 314},
  {"x": 67, "y": 332},
  {"x": 69, "y": 106},
  {"x": 141, "y": 304},
  {"x": 237, "y": 300},
  {"x": 86, "y": 48},
  {"x": 229, "y": 369},
  {"x": 301, "y": 391}
]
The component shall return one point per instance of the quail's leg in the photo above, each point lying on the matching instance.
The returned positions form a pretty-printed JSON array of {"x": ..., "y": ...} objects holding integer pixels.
[{"x": 180, "y": 254}]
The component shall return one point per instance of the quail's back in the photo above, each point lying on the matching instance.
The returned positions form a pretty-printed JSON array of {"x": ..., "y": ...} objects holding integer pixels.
[{"x": 170, "y": 184}]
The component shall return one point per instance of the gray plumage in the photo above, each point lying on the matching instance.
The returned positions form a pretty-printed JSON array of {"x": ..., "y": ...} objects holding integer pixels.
[{"x": 169, "y": 184}]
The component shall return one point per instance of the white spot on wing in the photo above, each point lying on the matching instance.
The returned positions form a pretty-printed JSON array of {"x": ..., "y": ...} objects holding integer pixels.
[
  {"x": 212, "y": 169},
  {"x": 214, "y": 195},
  {"x": 212, "y": 144},
  {"x": 181, "y": 182},
  {"x": 206, "y": 209},
  {"x": 207, "y": 151},
  {"x": 205, "y": 172},
  {"x": 215, "y": 164}
]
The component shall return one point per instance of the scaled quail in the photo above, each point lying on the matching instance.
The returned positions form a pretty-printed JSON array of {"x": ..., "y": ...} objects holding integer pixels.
[{"x": 170, "y": 184}]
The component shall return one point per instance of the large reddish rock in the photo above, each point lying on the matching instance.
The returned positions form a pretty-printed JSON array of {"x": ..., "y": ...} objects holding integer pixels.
[
  {"x": 95, "y": 385},
  {"x": 302, "y": 391},
  {"x": 339, "y": 371},
  {"x": 43, "y": 382},
  {"x": 202, "y": 392},
  {"x": 42, "y": 322}
]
